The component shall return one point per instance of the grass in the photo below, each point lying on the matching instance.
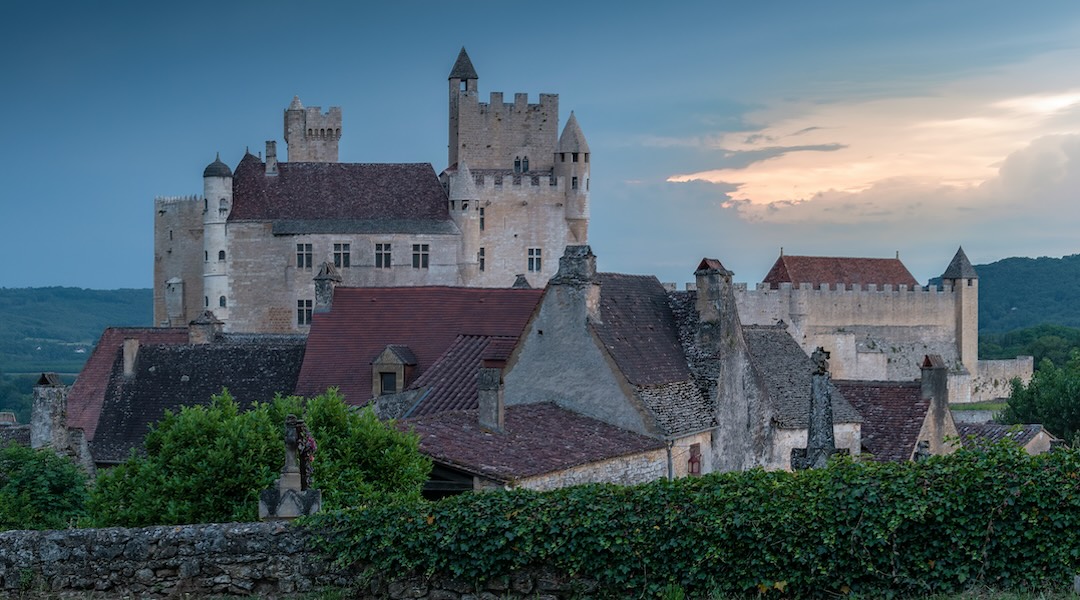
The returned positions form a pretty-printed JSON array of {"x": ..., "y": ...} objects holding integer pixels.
[{"x": 993, "y": 405}]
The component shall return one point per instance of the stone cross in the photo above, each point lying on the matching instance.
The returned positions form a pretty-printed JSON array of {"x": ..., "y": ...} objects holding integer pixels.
[
  {"x": 290, "y": 498},
  {"x": 820, "y": 440}
]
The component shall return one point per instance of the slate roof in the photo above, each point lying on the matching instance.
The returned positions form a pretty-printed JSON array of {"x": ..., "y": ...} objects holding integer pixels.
[
  {"x": 450, "y": 383},
  {"x": 960, "y": 267},
  {"x": 168, "y": 377},
  {"x": 18, "y": 434},
  {"x": 572, "y": 139},
  {"x": 463, "y": 67},
  {"x": 427, "y": 319},
  {"x": 87, "y": 395},
  {"x": 328, "y": 197},
  {"x": 788, "y": 373},
  {"x": 538, "y": 439},
  {"x": 991, "y": 433},
  {"x": 893, "y": 414},
  {"x": 832, "y": 270}
]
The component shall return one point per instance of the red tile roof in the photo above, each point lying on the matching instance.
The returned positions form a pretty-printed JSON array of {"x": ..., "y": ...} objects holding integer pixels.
[
  {"x": 87, "y": 395},
  {"x": 538, "y": 439},
  {"x": 450, "y": 383},
  {"x": 893, "y": 414},
  {"x": 832, "y": 270},
  {"x": 337, "y": 191},
  {"x": 363, "y": 321}
]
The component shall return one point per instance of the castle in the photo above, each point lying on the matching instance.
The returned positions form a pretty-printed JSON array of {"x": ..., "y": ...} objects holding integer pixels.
[{"x": 513, "y": 195}]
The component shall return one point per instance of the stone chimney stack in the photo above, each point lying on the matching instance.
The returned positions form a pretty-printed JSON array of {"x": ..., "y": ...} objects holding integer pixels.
[
  {"x": 131, "y": 353},
  {"x": 935, "y": 388},
  {"x": 489, "y": 385},
  {"x": 205, "y": 329},
  {"x": 271, "y": 158},
  {"x": 711, "y": 280},
  {"x": 325, "y": 282},
  {"x": 48, "y": 416},
  {"x": 577, "y": 271}
]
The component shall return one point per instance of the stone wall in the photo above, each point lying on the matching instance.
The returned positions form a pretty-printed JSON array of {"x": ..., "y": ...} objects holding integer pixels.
[
  {"x": 265, "y": 560},
  {"x": 993, "y": 381}
]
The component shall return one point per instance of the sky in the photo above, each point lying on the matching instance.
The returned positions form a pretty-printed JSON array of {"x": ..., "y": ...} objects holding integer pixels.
[{"x": 723, "y": 129}]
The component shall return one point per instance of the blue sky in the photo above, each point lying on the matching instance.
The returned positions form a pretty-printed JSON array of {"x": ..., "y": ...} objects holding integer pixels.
[{"x": 722, "y": 129}]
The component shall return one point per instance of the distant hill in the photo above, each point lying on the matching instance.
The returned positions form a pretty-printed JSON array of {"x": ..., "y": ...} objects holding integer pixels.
[
  {"x": 1015, "y": 293},
  {"x": 55, "y": 328}
]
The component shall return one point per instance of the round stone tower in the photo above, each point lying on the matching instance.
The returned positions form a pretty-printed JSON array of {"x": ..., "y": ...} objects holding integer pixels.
[{"x": 217, "y": 203}]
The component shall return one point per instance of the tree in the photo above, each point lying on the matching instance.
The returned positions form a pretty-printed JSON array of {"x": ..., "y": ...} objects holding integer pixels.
[
  {"x": 39, "y": 489},
  {"x": 1052, "y": 398},
  {"x": 208, "y": 464}
]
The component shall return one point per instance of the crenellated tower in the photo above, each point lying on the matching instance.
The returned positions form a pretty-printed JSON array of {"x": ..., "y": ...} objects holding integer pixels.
[
  {"x": 217, "y": 198},
  {"x": 312, "y": 135},
  {"x": 965, "y": 284}
]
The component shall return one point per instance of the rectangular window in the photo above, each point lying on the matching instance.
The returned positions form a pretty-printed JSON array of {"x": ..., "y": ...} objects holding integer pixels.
[
  {"x": 303, "y": 312},
  {"x": 574, "y": 154},
  {"x": 420, "y": 256},
  {"x": 693, "y": 465},
  {"x": 387, "y": 383},
  {"x": 382, "y": 256},
  {"x": 342, "y": 255},
  {"x": 480, "y": 257},
  {"x": 534, "y": 260},
  {"x": 303, "y": 256},
  {"x": 573, "y": 183},
  {"x": 481, "y": 219}
]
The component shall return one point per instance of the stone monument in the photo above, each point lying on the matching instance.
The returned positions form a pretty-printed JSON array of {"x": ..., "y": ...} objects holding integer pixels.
[
  {"x": 292, "y": 497},
  {"x": 820, "y": 440}
]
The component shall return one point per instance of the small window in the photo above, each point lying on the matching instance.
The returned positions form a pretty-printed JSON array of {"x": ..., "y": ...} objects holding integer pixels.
[
  {"x": 221, "y": 255},
  {"x": 342, "y": 255},
  {"x": 206, "y": 255},
  {"x": 525, "y": 165},
  {"x": 481, "y": 258},
  {"x": 382, "y": 256},
  {"x": 517, "y": 164},
  {"x": 574, "y": 156},
  {"x": 170, "y": 235},
  {"x": 562, "y": 157},
  {"x": 420, "y": 256},
  {"x": 481, "y": 219},
  {"x": 303, "y": 256},
  {"x": 387, "y": 383},
  {"x": 221, "y": 301},
  {"x": 303, "y": 312},
  {"x": 573, "y": 183},
  {"x": 206, "y": 301},
  {"x": 534, "y": 260},
  {"x": 693, "y": 464},
  {"x": 586, "y": 157}
]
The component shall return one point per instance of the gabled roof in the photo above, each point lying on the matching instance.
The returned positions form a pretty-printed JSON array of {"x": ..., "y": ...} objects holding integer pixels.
[
  {"x": 991, "y": 433},
  {"x": 341, "y": 197},
  {"x": 572, "y": 139},
  {"x": 428, "y": 319},
  {"x": 168, "y": 377},
  {"x": 463, "y": 67},
  {"x": 893, "y": 415},
  {"x": 788, "y": 373},
  {"x": 833, "y": 270},
  {"x": 87, "y": 394},
  {"x": 960, "y": 267},
  {"x": 450, "y": 383},
  {"x": 537, "y": 439}
]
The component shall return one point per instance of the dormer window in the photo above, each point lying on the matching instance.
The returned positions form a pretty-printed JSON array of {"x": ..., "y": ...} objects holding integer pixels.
[{"x": 392, "y": 370}]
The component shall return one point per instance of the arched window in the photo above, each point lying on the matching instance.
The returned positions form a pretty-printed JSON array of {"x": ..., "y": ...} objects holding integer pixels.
[
  {"x": 525, "y": 165},
  {"x": 517, "y": 164},
  {"x": 221, "y": 255},
  {"x": 310, "y": 132},
  {"x": 221, "y": 301}
]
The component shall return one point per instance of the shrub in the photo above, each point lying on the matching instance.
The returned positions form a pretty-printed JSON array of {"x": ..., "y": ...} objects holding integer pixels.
[{"x": 39, "y": 489}]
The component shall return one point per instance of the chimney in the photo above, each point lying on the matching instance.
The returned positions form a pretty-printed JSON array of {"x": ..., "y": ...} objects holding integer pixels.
[
  {"x": 205, "y": 329},
  {"x": 489, "y": 386},
  {"x": 271, "y": 158},
  {"x": 935, "y": 388},
  {"x": 577, "y": 271},
  {"x": 48, "y": 416},
  {"x": 131, "y": 352},
  {"x": 325, "y": 282},
  {"x": 711, "y": 278}
]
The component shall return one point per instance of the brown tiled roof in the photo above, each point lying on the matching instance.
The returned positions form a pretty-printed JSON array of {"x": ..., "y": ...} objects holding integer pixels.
[
  {"x": 991, "y": 433},
  {"x": 87, "y": 395},
  {"x": 450, "y": 383},
  {"x": 339, "y": 195},
  {"x": 168, "y": 377},
  {"x": 832, "y": 270},
  {"x": 893, "y": 414},
  {"x": 429, "y": 319},
  {"x": 538, "y": 439},
  {"x": 639, "y": 330}
]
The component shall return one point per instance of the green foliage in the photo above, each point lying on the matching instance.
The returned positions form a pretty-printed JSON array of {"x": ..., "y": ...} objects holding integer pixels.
[
  {"x": 1053, "y": 342},
  {"x": 39, "y": 490},
  {"x": 1051, "y": 398},
  {"x": 1023, "y": 292},
  {"x": 208, "y": 464},
  {"x": 44, "y": 327},
  {"x": 997, "y": 517},
  {"x": 17, "y": 395}
]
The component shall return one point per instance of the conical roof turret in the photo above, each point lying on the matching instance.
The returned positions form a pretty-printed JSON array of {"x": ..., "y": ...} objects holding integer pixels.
[
  {"x": 463, "y": 68},
  {"x": 462, "y": 184},
  {"x": 217, "y": 168},
  {"x": 572, "y": 139},
  {"x": 960, "y": 267},
  {"x": 296, "y": 104}
]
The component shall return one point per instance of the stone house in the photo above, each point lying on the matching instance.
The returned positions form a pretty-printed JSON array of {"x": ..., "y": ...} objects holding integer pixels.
[{"x": 513, "y": 194}]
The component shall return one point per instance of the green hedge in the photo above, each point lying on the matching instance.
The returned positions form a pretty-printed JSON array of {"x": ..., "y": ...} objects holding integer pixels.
[{"x": 996, "y": 517}]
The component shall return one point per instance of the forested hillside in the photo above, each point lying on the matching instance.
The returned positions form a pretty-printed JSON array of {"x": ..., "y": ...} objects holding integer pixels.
[{"x": 1024, "y": 292}]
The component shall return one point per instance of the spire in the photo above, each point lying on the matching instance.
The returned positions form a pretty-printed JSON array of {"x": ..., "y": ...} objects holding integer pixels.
[
  {"x": 463, "y": 68},
  {"x": 960, "y": 267},
  {"x": 462, "y": 184},
  {"x": 295, "y": 104},
  {"x": 572, "y": 140}
]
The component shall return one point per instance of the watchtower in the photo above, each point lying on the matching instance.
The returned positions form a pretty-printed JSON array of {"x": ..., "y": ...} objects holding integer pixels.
[{"x": 311, "y": 135}]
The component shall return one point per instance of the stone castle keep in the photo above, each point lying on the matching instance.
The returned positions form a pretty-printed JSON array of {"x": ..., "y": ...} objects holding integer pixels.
[{"x": 513, "y": 195}]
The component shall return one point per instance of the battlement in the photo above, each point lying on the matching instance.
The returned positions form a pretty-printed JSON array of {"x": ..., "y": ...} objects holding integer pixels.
[
  {"x": 520, "y": 103},
  {"x": 855, "y": 288},
  {"x": 320, "y": 125},
  {"x": 163, "y": 200}
]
